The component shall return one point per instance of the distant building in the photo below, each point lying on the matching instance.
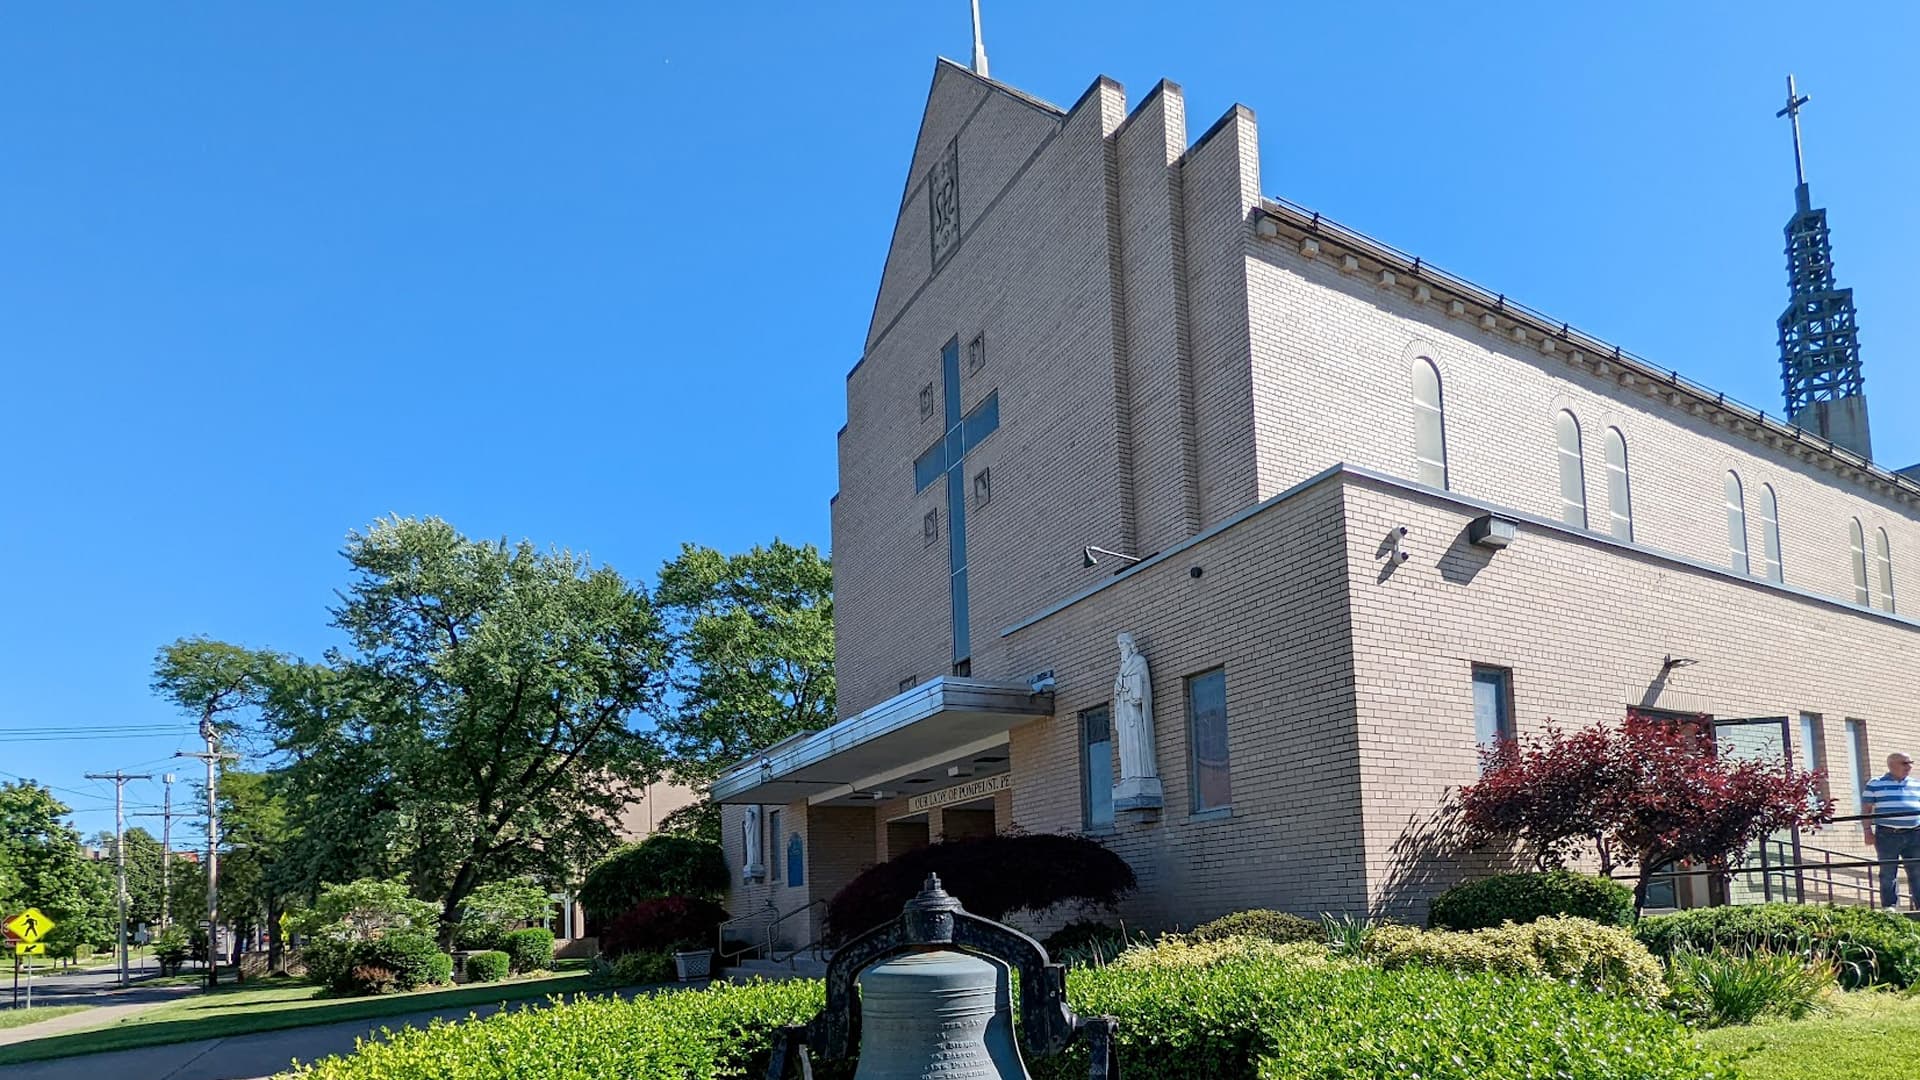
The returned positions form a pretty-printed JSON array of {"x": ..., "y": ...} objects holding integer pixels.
[{"x": 1360, "y": 516}]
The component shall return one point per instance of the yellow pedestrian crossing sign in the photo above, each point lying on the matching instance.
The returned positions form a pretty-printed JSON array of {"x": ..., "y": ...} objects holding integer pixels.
[
  {"x": 30, "y": 948},
  {"x": 30, "y": 926}
]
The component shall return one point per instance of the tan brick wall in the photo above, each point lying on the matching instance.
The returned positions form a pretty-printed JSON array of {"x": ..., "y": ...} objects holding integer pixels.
[
  {"x": 1269, "y": 606},
  {"x": 1037, "y": 283},
  {"x": 1331, "y": 357},
  {"x": 1584, "y": 626}
]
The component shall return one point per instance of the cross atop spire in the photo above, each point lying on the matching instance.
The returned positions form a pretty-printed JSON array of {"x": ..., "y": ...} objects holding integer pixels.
[
  {"x": 1794, "y": 101},
  {"x": 980, "y": 46}
]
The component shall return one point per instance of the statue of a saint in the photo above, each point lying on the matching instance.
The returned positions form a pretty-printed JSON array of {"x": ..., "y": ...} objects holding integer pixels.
[
  {"x": 755, "y": 866},
  {"x": 1133, "y": 728}
]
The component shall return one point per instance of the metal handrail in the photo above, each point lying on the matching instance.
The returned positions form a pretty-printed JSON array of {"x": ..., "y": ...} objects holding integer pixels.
[
  {"x": 720, "y": 939},
  {"x": 773, "y": 953}
]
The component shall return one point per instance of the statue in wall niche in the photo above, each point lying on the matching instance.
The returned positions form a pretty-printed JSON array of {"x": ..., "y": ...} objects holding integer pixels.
[
  {"x": 750, "y": 830},
  {"x": 1139, "y": 791}
]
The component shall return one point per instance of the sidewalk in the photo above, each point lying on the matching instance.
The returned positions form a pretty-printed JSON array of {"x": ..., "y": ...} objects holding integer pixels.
[{"x": 113, "y": 1006}]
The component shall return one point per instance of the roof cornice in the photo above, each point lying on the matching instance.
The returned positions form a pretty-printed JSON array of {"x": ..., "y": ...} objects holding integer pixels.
[{"x": 1355, "y": 252}]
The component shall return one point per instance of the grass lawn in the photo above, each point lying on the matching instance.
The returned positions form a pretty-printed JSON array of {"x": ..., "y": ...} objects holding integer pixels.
[
  {"x": 13, "y": 1018},
  {"x": 1867, "y": 1036},
  {"x": 269, "y": 1006}
]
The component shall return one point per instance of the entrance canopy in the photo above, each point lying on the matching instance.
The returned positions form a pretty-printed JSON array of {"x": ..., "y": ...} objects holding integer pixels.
[{"x": 911, "y": 738}]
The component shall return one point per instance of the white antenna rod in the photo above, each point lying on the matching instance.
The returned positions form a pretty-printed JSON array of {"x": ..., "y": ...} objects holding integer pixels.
[{"x": 979, "y": 46}]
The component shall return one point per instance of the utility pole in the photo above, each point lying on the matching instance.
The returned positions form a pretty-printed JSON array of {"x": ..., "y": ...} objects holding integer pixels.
[
  {"x": 213, "y": 757},
  {"x": 166, "y": 853},
  {"x": 166, "y": 850},
  {"x": 120, "y": 849}
]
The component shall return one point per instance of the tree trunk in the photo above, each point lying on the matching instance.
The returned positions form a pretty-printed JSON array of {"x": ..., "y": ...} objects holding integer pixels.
[
  {"x": 275, "y": 947},
  {"x": 463, "y": 883}
]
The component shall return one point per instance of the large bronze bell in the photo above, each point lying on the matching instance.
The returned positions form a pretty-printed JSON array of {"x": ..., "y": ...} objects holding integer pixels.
[
  {"x": 937, "y": 1015},
  {"x": 928, "y": 997}
]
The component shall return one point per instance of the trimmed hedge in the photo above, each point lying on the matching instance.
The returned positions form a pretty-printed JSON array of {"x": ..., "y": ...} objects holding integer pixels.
[
  {"x": 489, "y": 966},
  {"x": 677, "y": 922},
  {"x": 1522, "y": 898},
  {"x": 1276, "y": 926},
  {"x": 992, "y": 876},
  {"x": 723, "y": 1031},
  {"x": 1570, "y": 950},
  {"x": 1869, "y": 947},
  {"x": 1237, "y": 1009},
  {"x": 662, "y": 865},
  {"x": 408, "y": 960},
  {"x": 1259, "y": 1014},
  {"x": 529, "y": 950}
]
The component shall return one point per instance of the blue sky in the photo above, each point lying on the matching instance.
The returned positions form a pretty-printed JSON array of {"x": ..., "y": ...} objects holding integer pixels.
[{"x": 593, "y": 273}]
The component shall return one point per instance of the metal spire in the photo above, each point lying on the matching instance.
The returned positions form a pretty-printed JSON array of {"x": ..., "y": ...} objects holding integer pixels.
[
  {"x": 979, "y": 46},
  {"x": 1794, "y": 101},
  {"x": 1819, "y": 338}
]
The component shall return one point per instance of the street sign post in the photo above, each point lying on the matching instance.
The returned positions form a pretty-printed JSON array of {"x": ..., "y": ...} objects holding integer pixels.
[{"x": 26, "y": 930}]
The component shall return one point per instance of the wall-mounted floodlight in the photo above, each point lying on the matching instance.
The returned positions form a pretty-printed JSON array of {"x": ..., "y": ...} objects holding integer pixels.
[
  {"x": 1089, "y": 560},
  {"x": 1492, "y": 531}
]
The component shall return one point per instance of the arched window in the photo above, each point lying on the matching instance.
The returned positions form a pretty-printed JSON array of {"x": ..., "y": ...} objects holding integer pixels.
[
  {"x": 1573, "y": 471},
  {"x": 1769, "y": 534},
  {"x": 1619, "y": 494},
  {"x": 1858, "y": 542},
  {"x": 1736, "y": 526},
  {"x": 1883, "y": 555},
  {"x": 1429, "y": 425}
]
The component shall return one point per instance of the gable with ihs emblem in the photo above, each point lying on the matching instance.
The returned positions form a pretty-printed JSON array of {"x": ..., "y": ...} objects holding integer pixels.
[{"x": 943, "y": 203}]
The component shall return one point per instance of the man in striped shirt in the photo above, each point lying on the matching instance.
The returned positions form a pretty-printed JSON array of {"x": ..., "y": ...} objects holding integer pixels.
[{"x": 1894, "y": 829}]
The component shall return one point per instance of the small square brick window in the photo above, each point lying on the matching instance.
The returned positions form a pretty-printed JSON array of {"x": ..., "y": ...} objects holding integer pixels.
[
  {"x": 926, "y": 401},
  {"x": 982, "y": 487},
  {"x": 977, "y": 353},
  {"x": 930, "y": 527}
]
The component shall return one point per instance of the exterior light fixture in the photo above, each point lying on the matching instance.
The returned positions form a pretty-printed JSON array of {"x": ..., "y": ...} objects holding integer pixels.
[
  {"x": 1492, "y": 531},
  {"x": 1089, "y": 559},
  {"x": 959, "y": 772}
]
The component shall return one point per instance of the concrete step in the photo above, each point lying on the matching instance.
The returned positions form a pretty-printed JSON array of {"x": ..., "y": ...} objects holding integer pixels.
[{"x": 799, "y": 967}]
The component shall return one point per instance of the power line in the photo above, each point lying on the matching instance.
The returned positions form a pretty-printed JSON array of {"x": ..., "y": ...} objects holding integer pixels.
[{"x": 120, "y": 779}]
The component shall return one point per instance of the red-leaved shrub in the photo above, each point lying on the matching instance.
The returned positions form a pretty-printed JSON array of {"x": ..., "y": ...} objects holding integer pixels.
[
  {"x": 675, "y": 923},
  {"x": 992, "y": 876}
]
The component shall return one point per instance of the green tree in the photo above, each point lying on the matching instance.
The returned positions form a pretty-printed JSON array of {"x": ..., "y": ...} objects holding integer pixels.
[
  {"x": 752, "y": 657},
  {"x": 476, "y": 723},
  {"x": 49, "y": 869}
]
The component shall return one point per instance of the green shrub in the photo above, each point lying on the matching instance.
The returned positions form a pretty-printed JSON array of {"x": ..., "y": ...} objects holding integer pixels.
[
  {"x": 1865, "y": 946},
  {"x": 1716, "y": 989},
  {"x": 1272, "y": 925},
  {"x": 489, "y": 966},
  {"x": 172, "y": 948},
  {"x": 723, "y": 1031},
  {"x": 1287, "y": 1012},
  {"x": 413, "y": 959},
  {"x": 1083, "y": 942},
  {"x": 83, "y": 952},
  {"x": 530, "y": 950},
  {"x": 642, "y": 969},
  {"x": 1232, "y": 1009},
  {"x": 1522, "y": 898},
  {"x": 662, "y": 865},
  {"x": 479, "y": 937},
  {"x": 1581, "y": 951}
]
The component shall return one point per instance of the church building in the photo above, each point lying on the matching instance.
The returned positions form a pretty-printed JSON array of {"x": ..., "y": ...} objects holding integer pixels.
[{"x": 1180, "y": 516}]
